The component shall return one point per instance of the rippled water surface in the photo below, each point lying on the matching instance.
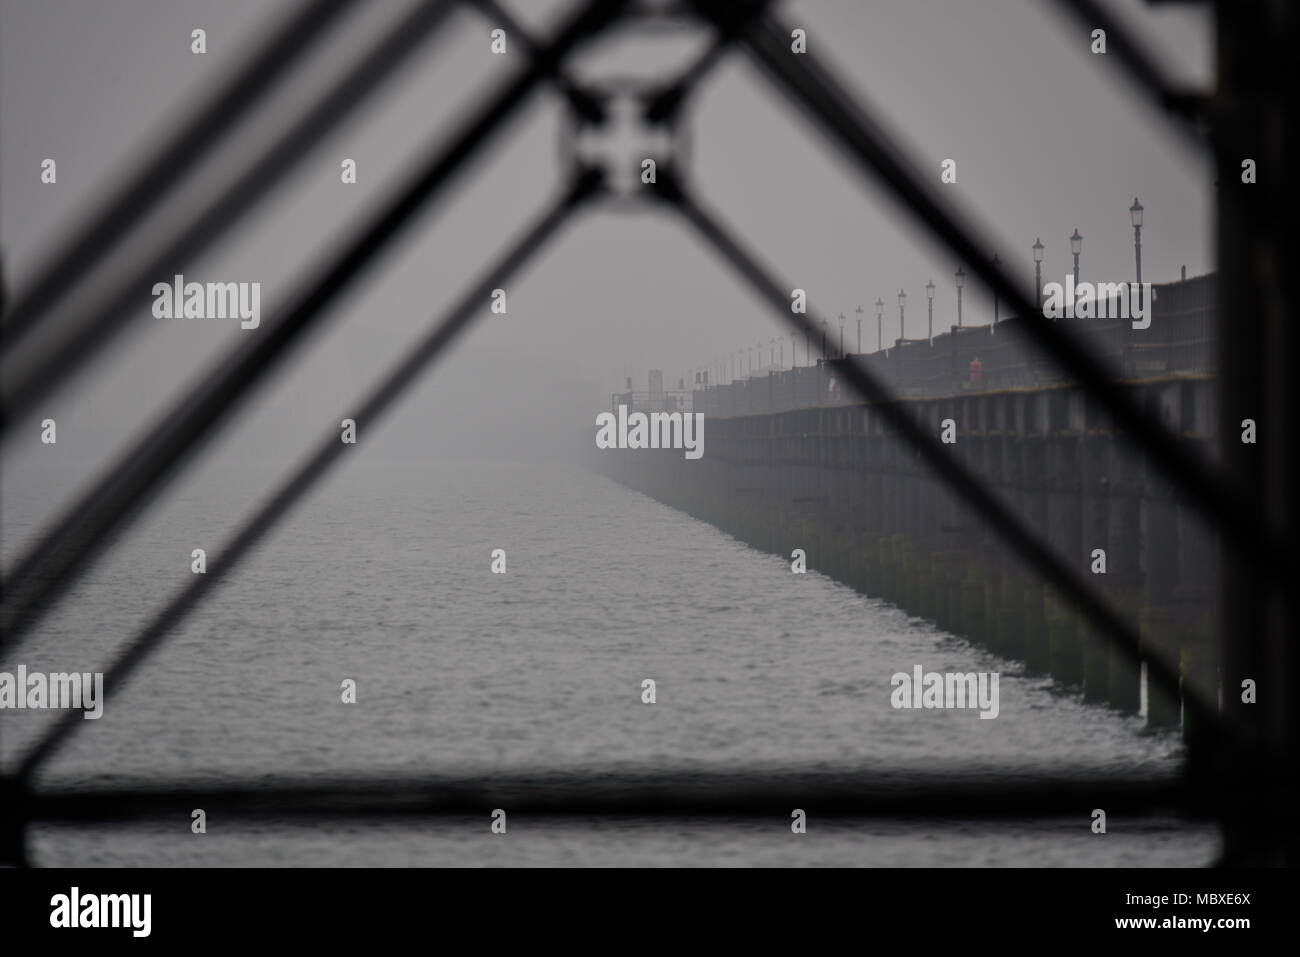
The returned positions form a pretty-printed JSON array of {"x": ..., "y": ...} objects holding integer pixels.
[{"x": 383, "y": 577}]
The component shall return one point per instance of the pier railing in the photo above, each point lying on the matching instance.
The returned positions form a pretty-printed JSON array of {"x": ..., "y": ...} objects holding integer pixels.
[{"x": 1179, "y": 340}]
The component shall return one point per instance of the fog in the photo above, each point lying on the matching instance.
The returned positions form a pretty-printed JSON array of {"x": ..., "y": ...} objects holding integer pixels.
[{"x": 1047, "y": 137}]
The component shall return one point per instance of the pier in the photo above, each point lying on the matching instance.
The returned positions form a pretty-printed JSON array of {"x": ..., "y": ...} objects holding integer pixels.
[{"x": 790, "y": 464}]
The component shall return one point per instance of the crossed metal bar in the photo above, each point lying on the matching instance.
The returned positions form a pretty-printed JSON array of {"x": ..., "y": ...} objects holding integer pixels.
[
  {"x": 34, "y": 377},
  {"x": 51, "y": 566},
  {"x": 47, "y": 571},
  {"x": 212, "y": 121},
  {"x": 1186, "y": 108},
  {"x": 315, "y": 465}
]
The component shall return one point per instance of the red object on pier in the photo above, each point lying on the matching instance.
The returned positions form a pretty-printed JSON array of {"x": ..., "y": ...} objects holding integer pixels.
[{"x": 976, "y": 371}]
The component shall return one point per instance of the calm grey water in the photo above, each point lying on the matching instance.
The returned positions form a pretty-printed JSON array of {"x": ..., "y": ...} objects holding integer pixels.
[{"x": 383, "y": 577}]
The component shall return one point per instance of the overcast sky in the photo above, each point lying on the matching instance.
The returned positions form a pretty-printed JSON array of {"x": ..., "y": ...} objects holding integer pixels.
[{"x": 1047, "y": 138}]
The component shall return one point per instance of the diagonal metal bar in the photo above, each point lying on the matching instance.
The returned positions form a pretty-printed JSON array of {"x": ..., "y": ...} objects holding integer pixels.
[
  {"x": 1035, "y": 552},
  {"x": 584, "y": 104},
  {"x": 110, "y": 315},
  {"x": 727, "y": 21},
  {"x": 818, "y": 94},
  {"x": 389, "y": 388},
  {"x": 761, "y": 792},
  {"x": 83, "y": 532},
  {"x": 673, "y": 94},
  {"x": 1185, "y": 106},
  {"x": 290, "y": 41}
]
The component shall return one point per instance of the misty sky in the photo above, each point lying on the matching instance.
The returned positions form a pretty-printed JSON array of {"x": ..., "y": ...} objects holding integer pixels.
[{"x": 1047, "y": 137}]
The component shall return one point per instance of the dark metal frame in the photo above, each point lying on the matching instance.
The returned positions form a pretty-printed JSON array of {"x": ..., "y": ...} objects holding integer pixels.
[{"x": 43, "y": 575}]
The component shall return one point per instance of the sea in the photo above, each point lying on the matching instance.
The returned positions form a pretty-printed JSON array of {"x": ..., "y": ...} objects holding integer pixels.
[{"x": 383, "y": 577}]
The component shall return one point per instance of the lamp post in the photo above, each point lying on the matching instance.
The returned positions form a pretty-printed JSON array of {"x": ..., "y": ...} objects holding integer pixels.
[
  {"x": 841, "y": 335},
  {"x": 1135, "y": 213},
  {"x": 1038, "y": 248},
  {"x": 995, "y": 262},
  {"x": 880, "y": 323},
  {"x": 823, "y": 337},
  {"x": 771, "y": 356},
  {"x": 902, "y": 326},
  {"x": 960, "y": 277},
  {"x": 1076, "y": 247},
  {"x": 859, "y": 328},
  {"x": 929, "y": 295}
]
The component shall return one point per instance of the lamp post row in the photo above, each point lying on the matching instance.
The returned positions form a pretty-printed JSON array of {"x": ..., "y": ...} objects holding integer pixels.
[{"x": 720, "y": 366}]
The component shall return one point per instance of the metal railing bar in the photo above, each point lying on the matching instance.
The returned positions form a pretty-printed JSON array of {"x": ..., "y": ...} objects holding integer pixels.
[
  {"x": 110, "y": 315},
  {"x": 739, "y": 793},
  {"x": 289, "y": 41},
  {"x": 588, "y": 107},
  {"x": 670, "y": 99},
  {"x": 1184, "y": 105},
  {"x": 388, "y": 388},
  {"x": 49, "y": 568},
  {"x": 719, "y": 794}
]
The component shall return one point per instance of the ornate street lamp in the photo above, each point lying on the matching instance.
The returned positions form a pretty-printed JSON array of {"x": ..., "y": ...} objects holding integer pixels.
[
  {"x": 1038, "y": 248},
  {"x": 995, "y": 262},
  {"x": 929, "y": 295},
  {"x": 1135, "y": 213},
  {"x": 960, "y": 277}
]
